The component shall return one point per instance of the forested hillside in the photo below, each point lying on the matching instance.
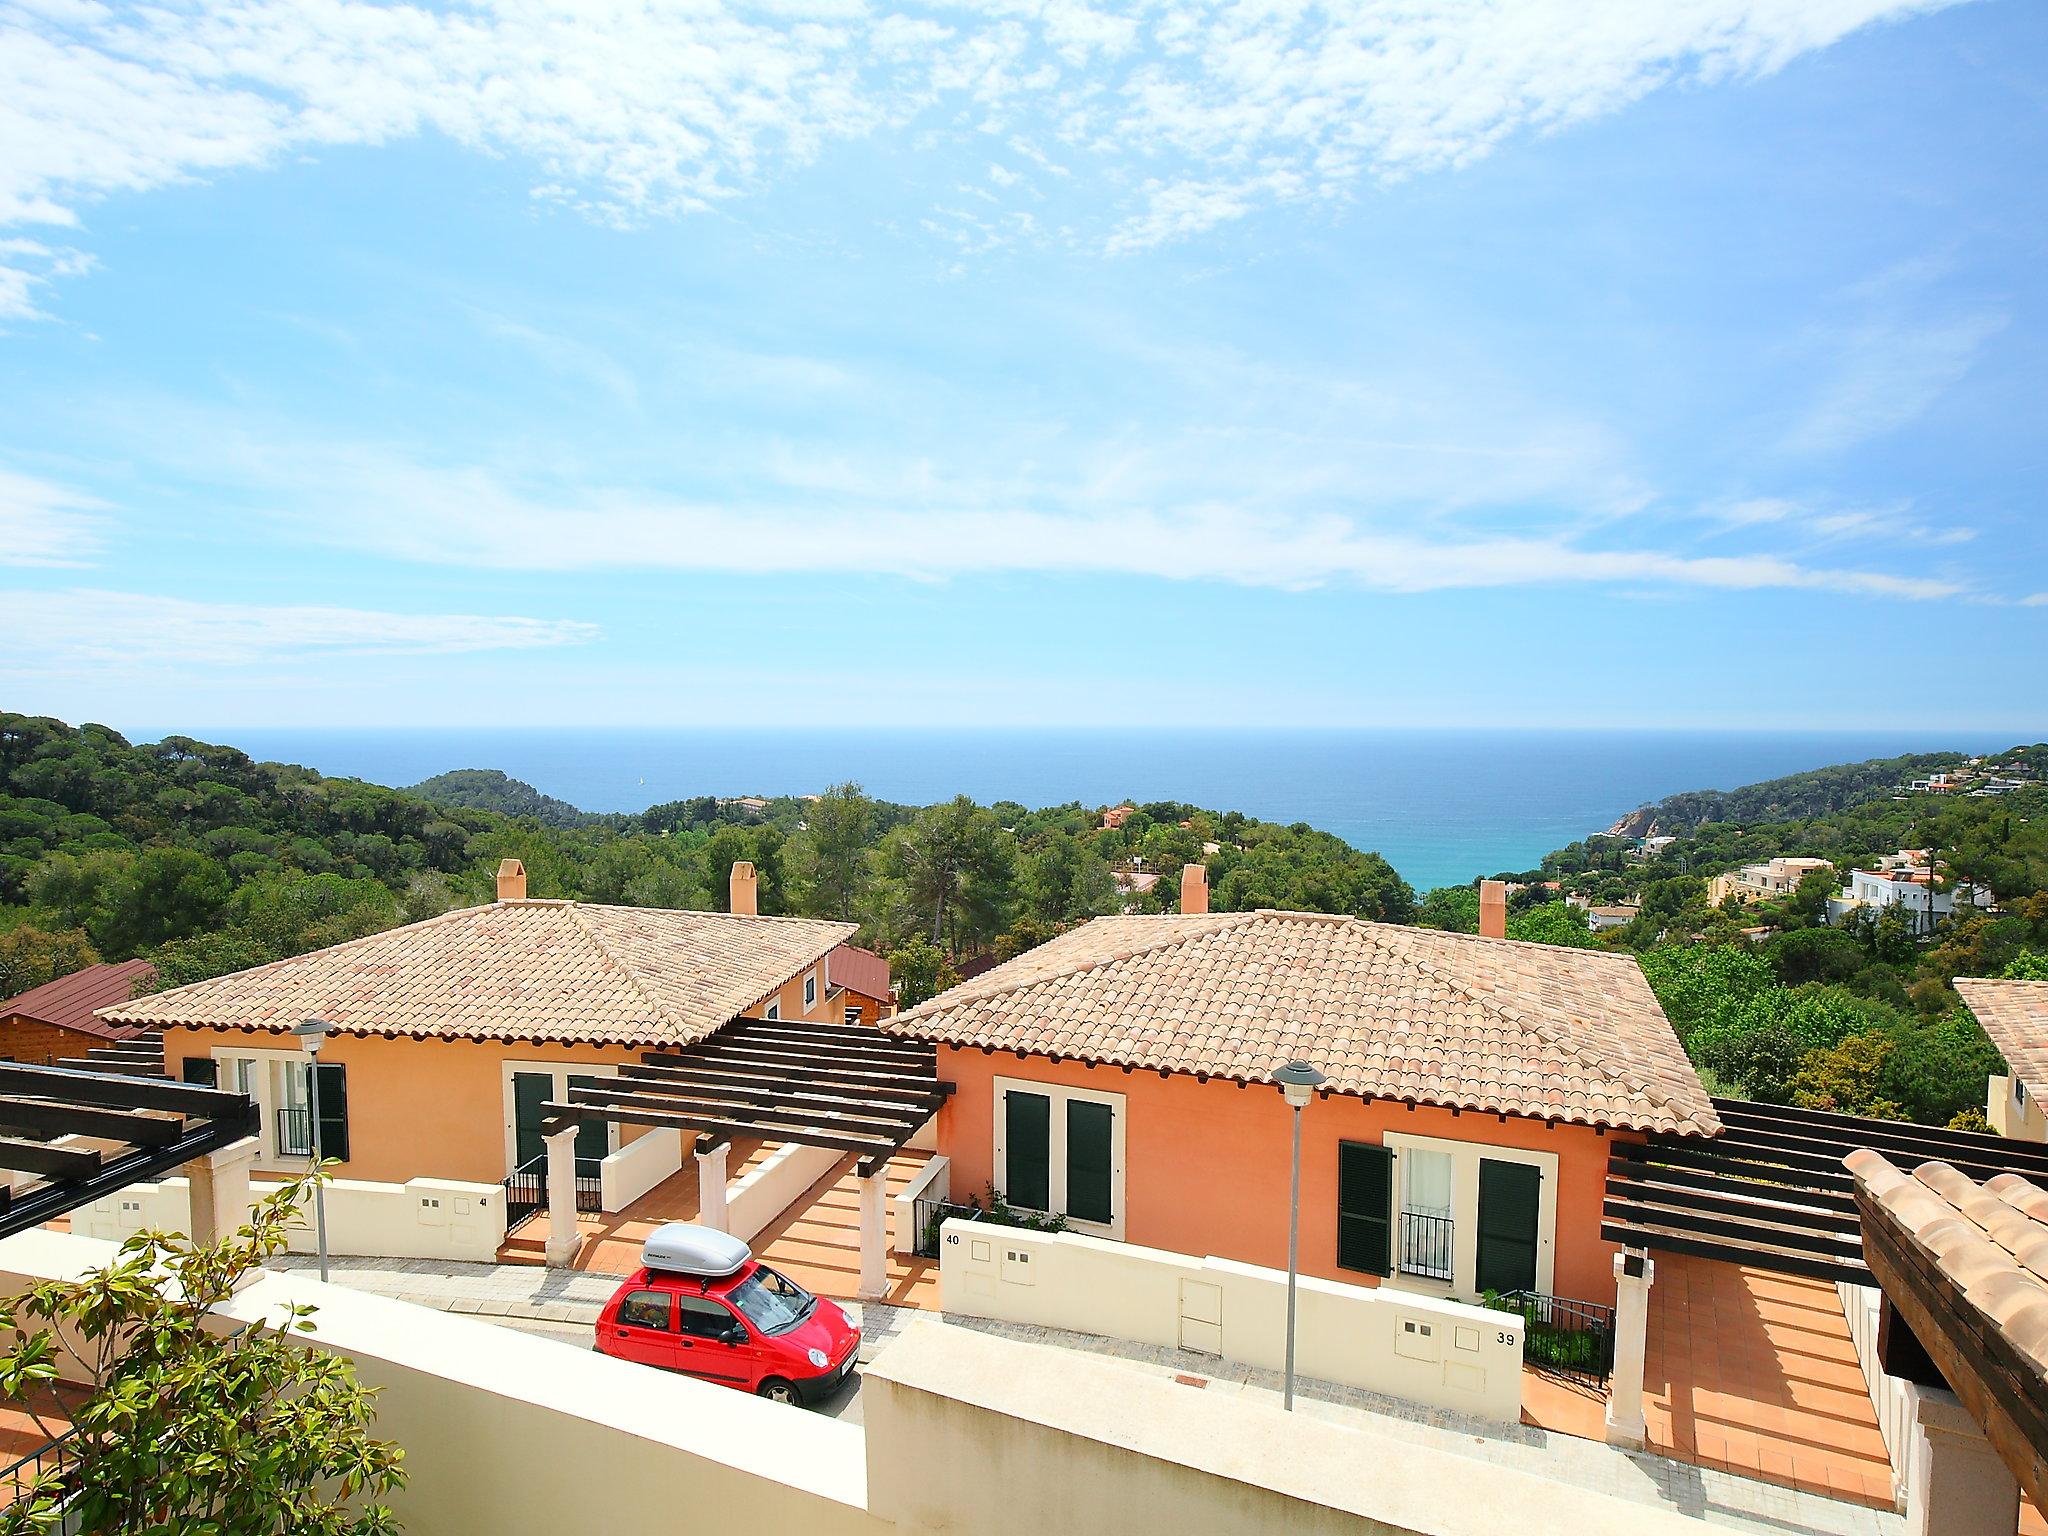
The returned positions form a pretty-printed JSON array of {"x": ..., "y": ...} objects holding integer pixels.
[
  {"x": 206, "y": 861},
  {"x": 1815, "y": 793}
]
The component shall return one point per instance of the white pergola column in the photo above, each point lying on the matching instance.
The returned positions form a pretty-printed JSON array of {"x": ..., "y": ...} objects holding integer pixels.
[
  {"x": 218, "y": 1187},
  {"x": 1956, "y": 1485},
  {"x": 874, "y": 1233},
  {"x": 711, "y": 1188},
  {"x": 563, "y": 1238},
  {"x": 1633, "y": 1274}
]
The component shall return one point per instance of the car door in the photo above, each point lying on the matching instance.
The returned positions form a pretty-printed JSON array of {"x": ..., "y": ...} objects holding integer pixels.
[
  {"x": 644, "y": 1329},
  {"x": 707, "y": 1347}
]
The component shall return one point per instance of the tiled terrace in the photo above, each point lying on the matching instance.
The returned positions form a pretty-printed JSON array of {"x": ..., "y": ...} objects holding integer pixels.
[
  {"x": 1754, "y": 1373},
  {"x": 816, "y": 1242},
  {"x": 22, "y": 1436}
]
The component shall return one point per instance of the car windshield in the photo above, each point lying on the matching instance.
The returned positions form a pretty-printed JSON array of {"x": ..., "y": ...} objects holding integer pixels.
[{"x": 770, "y": 1302}]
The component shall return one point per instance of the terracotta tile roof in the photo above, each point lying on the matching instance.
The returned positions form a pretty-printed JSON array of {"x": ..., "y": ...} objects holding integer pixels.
[
  {"x": 69, "y": 1001},
  {"x": 2015, "y": 1015},
  {"x": 1386, "y": 1012},
  {"x": 858, "y": 970},
  {"x": 519, "y": 970},
  {"x": 1990, "y": 1239}
]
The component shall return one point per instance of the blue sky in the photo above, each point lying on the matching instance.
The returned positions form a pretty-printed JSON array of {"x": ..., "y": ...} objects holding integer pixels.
[{"x": 1532, "y": 363}]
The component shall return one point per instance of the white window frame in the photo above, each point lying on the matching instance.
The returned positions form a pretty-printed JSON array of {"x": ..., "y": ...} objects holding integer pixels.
[
  {"x": 773, "y": 1010},
  {"x": 563, "y": 1071},
  {"x": 1465, "y": 1159},
  {"x": 810, "y": 990},
  {"x": 268, "y": 1066},
  {"x": 1056, "y": 1137}
]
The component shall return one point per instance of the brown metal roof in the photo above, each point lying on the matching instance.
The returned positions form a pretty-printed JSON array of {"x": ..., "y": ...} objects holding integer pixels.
[{"x": 69, "y": 1001}]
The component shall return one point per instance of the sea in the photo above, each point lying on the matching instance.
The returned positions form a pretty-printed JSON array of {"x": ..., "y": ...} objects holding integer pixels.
[{"x": 1443, "y": 806}]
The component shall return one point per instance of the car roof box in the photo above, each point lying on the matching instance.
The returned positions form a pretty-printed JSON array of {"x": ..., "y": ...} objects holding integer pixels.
[{"x": 684, "y": 1248}]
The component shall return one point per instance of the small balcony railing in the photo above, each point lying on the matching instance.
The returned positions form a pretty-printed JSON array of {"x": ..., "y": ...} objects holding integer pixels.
[
  {"x": 1426, "y": 1245},
  {"x": 295, "y": 1131}
]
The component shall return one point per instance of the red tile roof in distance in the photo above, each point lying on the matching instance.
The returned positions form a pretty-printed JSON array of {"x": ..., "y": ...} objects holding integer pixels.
[
  {"x": 858, "y": 970},
  {"x": 69, "y": 1001}
]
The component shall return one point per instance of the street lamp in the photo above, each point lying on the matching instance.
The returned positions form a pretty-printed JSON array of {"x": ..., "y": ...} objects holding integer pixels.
[
  {"x": 1298, "y": 1082},
  {"x": 311, "y": 1034}
]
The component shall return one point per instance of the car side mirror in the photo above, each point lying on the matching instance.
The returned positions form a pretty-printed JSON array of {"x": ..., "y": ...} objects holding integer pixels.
[{"x": 736, "y": 1333}]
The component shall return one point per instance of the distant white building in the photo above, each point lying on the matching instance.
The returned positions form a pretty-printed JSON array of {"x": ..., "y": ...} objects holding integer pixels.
[
  {"x": 1905, "y": 880},
  {"x": 1600, "y": 919},
  {"x": 1759, "y": 882}
]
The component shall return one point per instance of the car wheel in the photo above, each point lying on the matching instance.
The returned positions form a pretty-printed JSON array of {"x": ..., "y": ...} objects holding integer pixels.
[{"x": 776, "y": 1390}]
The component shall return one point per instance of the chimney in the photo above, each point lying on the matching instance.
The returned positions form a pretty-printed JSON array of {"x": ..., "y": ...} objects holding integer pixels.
[
  {"x": 745, "y": 897},
  {"x": 511, "y": 880},
  {"x": 1493, "y": 909},
  {"x": 1194, "y": 889}
]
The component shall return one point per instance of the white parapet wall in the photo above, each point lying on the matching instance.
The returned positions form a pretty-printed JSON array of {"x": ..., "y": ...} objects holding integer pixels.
[
  {"x": 1441, "y": 1353},
  {"x": 934, "y": 1181},
  {"x": 1893, "y": 1400},
  {"x": 423, "y": 1219},
  {"x": 638, "y": 1166},
  {"x": 774, "y": 1185}
]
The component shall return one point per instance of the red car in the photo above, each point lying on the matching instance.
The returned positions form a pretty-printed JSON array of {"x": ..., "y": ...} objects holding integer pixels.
[{"x": 705, "y": 1307}]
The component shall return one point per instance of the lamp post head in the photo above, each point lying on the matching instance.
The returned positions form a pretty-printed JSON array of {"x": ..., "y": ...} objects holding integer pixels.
[
  {"x": 1298, "y": 1082},
  {"x": 311, "y": 1033}
]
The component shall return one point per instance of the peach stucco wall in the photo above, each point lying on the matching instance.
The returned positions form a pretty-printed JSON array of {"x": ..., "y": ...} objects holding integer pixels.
[
  {"x": 436, "y": 1108},
  {"x": 1206, "y": 1164}
]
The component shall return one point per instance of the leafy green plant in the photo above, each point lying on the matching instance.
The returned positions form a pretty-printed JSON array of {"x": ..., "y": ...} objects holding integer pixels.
[{"x": 189, "y": 1426}]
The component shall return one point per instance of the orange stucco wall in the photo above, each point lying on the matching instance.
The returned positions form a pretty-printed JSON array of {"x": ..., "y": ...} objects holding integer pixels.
[
  {"x": 436, "y": 1108},
  {"x": 1206, "y": 1164}
]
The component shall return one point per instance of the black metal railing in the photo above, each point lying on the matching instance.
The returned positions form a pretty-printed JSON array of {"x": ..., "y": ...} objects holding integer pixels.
[
  {"x": 526, "y": 1189},
  {"x": 930, "y": 1215},
  {"x": 52, "y": 1459},
  {"x": 295, "y": 1131},
  {"x": 1563, "y": 1336},
  {"x": 1426, "y": 1245}
]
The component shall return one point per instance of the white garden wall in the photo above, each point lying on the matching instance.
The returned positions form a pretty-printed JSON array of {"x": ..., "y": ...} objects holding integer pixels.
[
  {"x": 638, "y": 1166},
  {"x": 423, "y": 1219},
  {"x": 934, "y": 1181},
  {"x": 1442, "y": 1353},
  {"x": 772, "y": 1186}
]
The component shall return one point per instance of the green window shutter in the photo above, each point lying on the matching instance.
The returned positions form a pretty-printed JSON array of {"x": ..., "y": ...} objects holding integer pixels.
[
  {"x": 593, "y": 1137},
  {"x": 1088, "y": 1161},
  {"x": 530, "y": 1090},
  {"x": 1365, "y": 1184},
  {"x": 334, "y": 1110},
  {"x": 1027, "y": 1150},
  {"x": 1510, "y": 1208}
]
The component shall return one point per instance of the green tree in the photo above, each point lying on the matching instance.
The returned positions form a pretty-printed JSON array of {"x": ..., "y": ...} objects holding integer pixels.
[
  {"x": 1061, "y": 880},
  {"x": 1701, "y": 984},
  {"x": 1453, "y": 908},
  {"x": 921, "y": 971},
  {"x": 952, "y": 861},
  {"x": 828, "y": 859},
  {"x": 1845, "y": 1077},
  {"x": 2028, "y": 965},
  {"x": 31, "y": 956},
  {"x": 1553, "y": 922},
  {"x": 190, "y": 1427}
]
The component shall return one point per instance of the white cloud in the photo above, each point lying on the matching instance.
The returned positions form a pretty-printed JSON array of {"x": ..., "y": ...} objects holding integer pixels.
[
  {"x": 1885, "y": 374},
  {"x": 2035, "y": 600},
  {"x": 42, "y": 523},
  {"x": 631, "y": 111},
  {"x": 83, "y": 628}
]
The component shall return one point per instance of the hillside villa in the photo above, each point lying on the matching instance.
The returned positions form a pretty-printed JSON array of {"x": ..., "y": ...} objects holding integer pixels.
[
  {"x": 1772, "y": 880},
  {"x": 58, "y": 1019},
  {"x": 1908, "y": 881},
  {"x": 449, "y": 1036},
  {"x": 2015, "y": 1015},
  {"x": 1476, "y": 1086}
]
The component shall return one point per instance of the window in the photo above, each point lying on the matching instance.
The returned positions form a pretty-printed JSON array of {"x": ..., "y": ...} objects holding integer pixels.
[
  {"x": 772, "y": 1304},
  {"x": 1426, "y": 1235},
  {"x": 773, "y": 1010},
  {"x": 1364, "y": 1190},
  {"x": 811, "y": 990},
  {"x": 646, "y": 1309},
  {"x": 1062, "y": 1150},
  {"x": 703, "y": 1318},
  {"x": 203, "y": 1071}
]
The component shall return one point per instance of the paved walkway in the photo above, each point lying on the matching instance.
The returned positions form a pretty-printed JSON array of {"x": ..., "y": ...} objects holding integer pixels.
[{"x": 1719, "y": 1499}]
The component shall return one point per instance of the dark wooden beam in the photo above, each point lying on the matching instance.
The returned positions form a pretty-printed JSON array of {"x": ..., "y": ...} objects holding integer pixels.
[
  {"x": 44, "y": 1119},
  {"x": 731, "y": 1112},
  {"x": 629, "y": 1115},
  {"x": 1736, "y": 1235},
  {"x": 791, "y": 1097},
  {"x": 1933, "y": 1142},
  {"x": 1810, "y": 1266},
  {"x": 117, "y": 1091},
  {"x": 1758, "y": 1205},
  {"x": 44, "y": 1158},
  {"x": 681, "y": 1068}
]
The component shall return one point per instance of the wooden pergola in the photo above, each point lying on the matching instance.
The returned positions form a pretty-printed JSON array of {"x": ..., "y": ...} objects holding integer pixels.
[
  {"x": 1770, "y": 1191},
  {"x": 848, "y": 1088},
  {"x": 87, "y": 1134}
]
